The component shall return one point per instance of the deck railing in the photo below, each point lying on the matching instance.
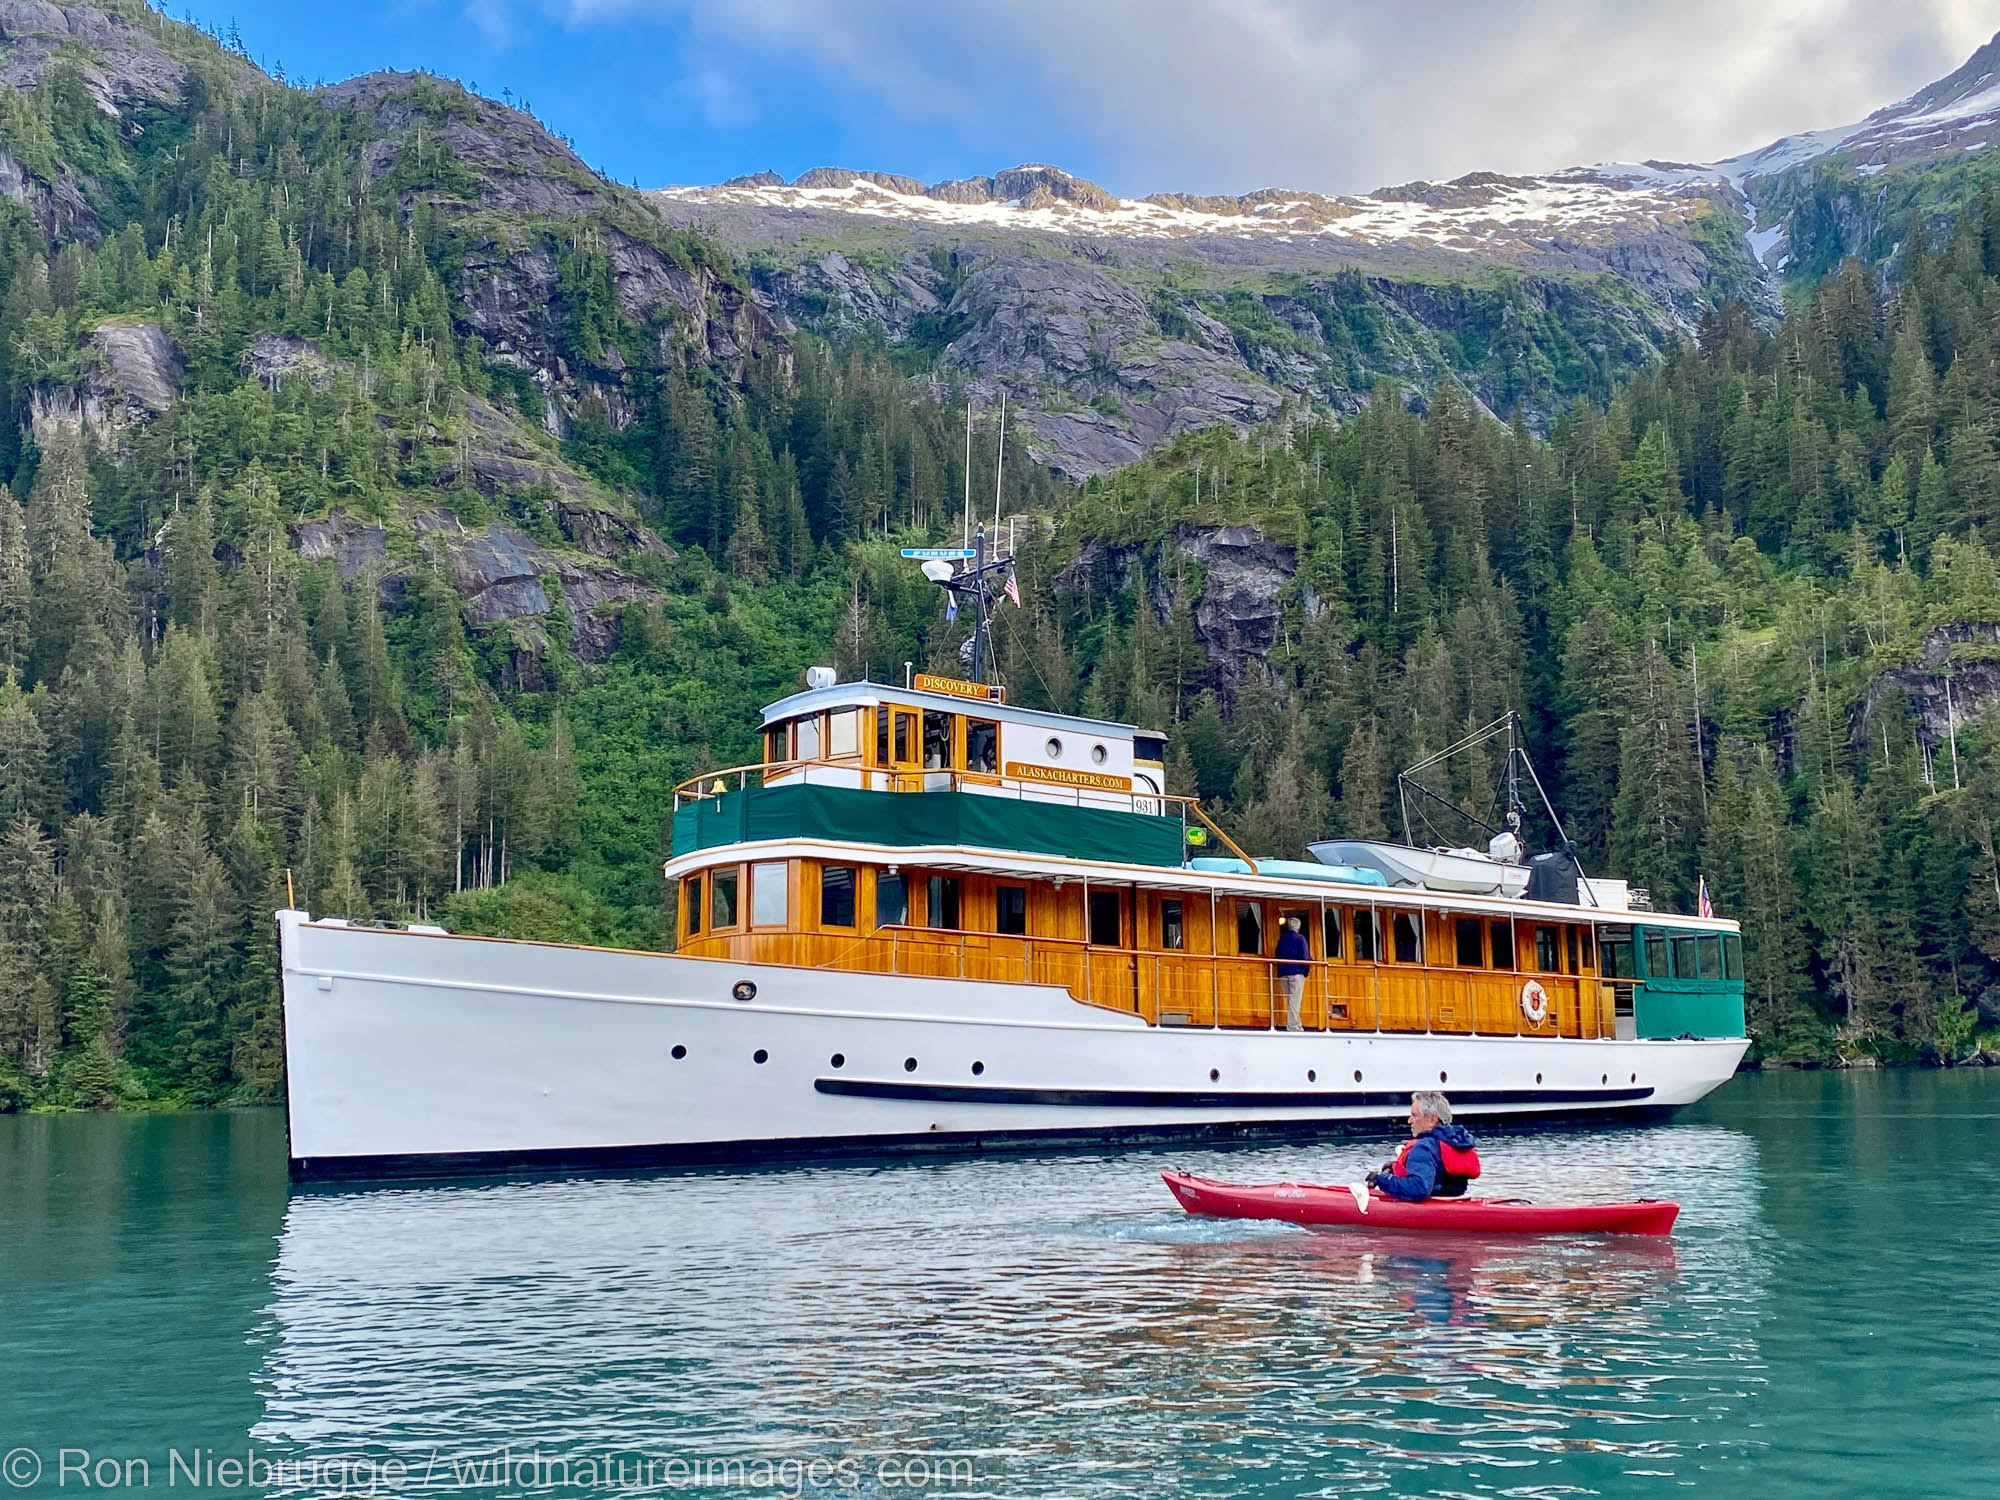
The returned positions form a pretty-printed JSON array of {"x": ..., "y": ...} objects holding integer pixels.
[
  {"x": 1206, "y": 990},
  {"x": 712, "y": 784}
]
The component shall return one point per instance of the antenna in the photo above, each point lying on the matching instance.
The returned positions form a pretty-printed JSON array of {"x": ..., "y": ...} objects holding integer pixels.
[
  {"x": 999, "y": 463},
  {"x": 966, "y": 533}
]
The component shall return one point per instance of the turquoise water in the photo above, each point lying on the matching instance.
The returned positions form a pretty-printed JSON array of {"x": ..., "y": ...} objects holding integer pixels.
[{"x": 1821, "y": 1323}]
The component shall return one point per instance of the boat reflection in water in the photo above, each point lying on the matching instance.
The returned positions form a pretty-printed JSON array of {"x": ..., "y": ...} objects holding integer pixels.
[{"x": 1058, "y": 1323}]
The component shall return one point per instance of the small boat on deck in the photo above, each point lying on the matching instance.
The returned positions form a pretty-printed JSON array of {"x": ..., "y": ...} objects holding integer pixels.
[
  {"x": 1462, "y": 870},
  {"x": 1300, "y": 1203}
]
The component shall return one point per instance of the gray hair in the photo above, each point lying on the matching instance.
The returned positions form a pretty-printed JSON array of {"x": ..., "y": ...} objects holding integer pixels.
[{"x": 1430, "y": 1102}]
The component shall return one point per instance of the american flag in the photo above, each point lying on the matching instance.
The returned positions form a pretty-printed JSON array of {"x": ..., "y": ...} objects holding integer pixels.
[
  {"x": 1703, "y": 907},
  {"x": 1013, "y": 589}
]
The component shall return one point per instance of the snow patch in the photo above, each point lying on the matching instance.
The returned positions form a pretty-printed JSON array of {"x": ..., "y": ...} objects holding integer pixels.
[{"x": 1468, "y": 217}]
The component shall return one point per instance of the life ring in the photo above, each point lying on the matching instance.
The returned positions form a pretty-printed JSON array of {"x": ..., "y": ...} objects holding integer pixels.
[{"x": 1534, "y": 1002}]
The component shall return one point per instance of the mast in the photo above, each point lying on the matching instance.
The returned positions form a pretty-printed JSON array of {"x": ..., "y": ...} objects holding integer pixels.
[{"x": 979, "y": 605}]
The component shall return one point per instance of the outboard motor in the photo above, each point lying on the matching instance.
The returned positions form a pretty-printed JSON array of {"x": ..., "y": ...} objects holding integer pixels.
[{"x": 1552, "y": 877}]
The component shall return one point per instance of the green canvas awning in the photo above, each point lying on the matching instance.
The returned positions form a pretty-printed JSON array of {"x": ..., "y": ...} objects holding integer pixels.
[{"x": 919, "y": 818}]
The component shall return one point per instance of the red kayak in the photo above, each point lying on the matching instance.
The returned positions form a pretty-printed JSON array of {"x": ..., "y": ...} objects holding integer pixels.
[{"x": 1299, "y": 1203}]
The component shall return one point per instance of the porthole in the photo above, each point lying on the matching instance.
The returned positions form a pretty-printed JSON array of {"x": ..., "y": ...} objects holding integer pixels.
[
  {"x": 760, "y": 1057},
  {"x": 743, "y": 992},
  {"x": 1441, "y": 1078},
  {"x": 1357, "y": 1075},
  {"x": 909, "y": 1065},
  {"x": 1605, "y": 1078},
  {"x": 839, "y": 1059},
  {"x": 1098, "y": 754},
  {"x": 1635, "y": 1077},
  {"x": 679, "y": 1052},
  {"x": 1538, "y": 1078},
  {"x": 978, "y": 1068},
  {"x": 1054, "y": 748},
  {"x": 1215, "y": 1075},
  {"x": 1312, "y": 1075}
]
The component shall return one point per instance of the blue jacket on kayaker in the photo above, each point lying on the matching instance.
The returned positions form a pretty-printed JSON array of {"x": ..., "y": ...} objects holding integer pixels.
[{"x": 1439, "y": 1159}]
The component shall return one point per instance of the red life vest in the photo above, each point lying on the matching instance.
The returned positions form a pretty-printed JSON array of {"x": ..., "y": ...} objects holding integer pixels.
[{"x": 1458, "y": 1166}]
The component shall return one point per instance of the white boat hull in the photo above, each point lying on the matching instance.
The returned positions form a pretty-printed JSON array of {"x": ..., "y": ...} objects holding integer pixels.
[{"x": 412, "y": 1051}]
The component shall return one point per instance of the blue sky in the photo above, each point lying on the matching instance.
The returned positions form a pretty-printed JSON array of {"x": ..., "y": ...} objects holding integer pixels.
[{"x": 1143, "y": 95}]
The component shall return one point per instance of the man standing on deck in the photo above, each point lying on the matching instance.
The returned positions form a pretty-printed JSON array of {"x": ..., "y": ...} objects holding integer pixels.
[
  {"x": 1293, "y": 951},
  {"x": 1438, "y": 1160}
]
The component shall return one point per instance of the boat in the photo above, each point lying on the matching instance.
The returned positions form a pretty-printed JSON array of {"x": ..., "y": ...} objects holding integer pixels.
[
  {"x": 1464, "y": 870},
  {"x": 1298, "y": 1203},
  {"x": 926, "y": 918}
]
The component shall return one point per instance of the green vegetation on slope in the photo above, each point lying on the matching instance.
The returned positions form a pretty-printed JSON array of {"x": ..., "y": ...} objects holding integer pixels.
[{"x": 188, "y": 710}]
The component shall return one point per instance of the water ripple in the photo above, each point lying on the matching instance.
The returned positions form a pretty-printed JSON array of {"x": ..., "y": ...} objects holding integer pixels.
[{"x": 1057, "y": 1322}]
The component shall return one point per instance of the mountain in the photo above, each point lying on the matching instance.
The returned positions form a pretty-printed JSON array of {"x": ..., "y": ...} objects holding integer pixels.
[
  {"x": 1115, "y": 323},
  {"x": 393, "y": 512}
]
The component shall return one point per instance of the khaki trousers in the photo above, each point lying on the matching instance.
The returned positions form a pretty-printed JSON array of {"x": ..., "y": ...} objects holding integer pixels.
[{"x": 1294, "y": 986}]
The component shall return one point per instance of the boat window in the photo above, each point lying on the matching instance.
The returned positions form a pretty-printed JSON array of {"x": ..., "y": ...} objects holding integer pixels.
[
  {"x": 881, "y": 736},
  {"x": 777, "y": 743},
  {"x": 1148, "y": 747},
  {"x": 1330, "y": 930},
  {"x": 1367, "y": 935},
  {"x": 1501, "y": 935},
  {"x": 1657, "y": 964},
  {"x": 836, "y": 896},
  {"x": 843, "y": 734},
  {"x": 937, "y": 741},
  {"x": 722, "y": 898},
  {"x": 944, "y": 902},
  {"x": 1249, "y": 927},
  {"x": 1106, "y": 912},
  {"x": 1732, "y": 957},
  {"x": 1010, "y": 910},
  {"x": 1471, "y": 949},
  {"x": 767, "y": 895},
  {"x": 906, "y": 739},
  {"x": 1548, "y": 950},
  {"x": 1618, "y": 959},
  {"x": 1684, "y": 964},
  {"x": 892, "y": 900},
  {"x": 1710, "y": 951},
  {"x": 1574, "y": 966},
  {"x": 982, "y": 746},
  {"x": 805, "y": 737},
  {"x": 1172, "y": 933},
  {"x": 691, "y": 907},
  {"x": 1409, "y": 933},
  {"x": 1587, "y": 939}
]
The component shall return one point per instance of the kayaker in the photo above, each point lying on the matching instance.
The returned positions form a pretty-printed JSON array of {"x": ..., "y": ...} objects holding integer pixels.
[
  {"x": 1294, "y": 956},
  {"x": 1437, "y": 1161}
]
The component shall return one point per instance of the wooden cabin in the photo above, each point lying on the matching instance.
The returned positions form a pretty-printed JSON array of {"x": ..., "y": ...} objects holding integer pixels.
[{"x": 934, "y": 830}]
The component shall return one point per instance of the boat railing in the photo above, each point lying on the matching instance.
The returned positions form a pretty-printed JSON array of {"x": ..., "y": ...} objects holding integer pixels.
[
  {"x": 714, "y": 784},
  {"x": 1221, "y": 991}
]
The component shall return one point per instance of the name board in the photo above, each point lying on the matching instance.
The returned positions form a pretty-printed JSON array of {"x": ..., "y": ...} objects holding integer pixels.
[
  {"x": 1020, "y": 770},
  {"x": 953, "y": 687},
  {"x": 930, "y": 552}
]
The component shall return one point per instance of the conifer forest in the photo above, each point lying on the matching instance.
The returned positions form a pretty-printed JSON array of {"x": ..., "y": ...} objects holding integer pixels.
[{"x": 263, "y": 635}]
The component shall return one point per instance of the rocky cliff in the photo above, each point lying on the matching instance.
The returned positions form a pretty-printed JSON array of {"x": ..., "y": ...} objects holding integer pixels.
[{"x": 1113, "y": 326}]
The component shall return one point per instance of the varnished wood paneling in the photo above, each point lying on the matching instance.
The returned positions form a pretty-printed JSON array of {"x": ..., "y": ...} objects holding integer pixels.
[{"x": 1195, "y": 985}]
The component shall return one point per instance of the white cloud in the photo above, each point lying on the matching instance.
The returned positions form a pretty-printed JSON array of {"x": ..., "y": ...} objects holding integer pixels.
[
  {"x": 1341, "y": 95},
  {"x": 721, "y": 97}
]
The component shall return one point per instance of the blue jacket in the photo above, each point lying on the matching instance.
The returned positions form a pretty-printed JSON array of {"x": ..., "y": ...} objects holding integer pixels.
[
  {"x": 1293, "y": 945},
  {"x": 1424, "y": 1164}
]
